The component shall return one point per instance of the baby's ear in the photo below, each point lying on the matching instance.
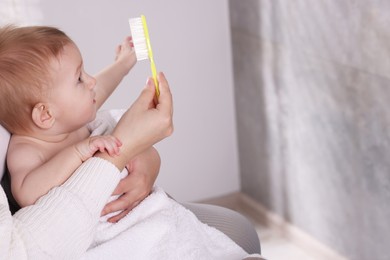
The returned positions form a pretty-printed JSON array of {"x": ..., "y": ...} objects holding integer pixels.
[{"x": 42, "y": 117}]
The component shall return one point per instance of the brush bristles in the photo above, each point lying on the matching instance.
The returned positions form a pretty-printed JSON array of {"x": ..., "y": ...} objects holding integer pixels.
[{"x": 139, "y": 39}]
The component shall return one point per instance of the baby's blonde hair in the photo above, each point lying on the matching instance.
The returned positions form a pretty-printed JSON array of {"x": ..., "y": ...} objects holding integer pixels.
[{"x": 25, "y": 56}]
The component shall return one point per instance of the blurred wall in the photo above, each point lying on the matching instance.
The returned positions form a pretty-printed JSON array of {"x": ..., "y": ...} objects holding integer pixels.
[
  {"x": 312, "y": 87},
  {"x": 191, "y": 44}
]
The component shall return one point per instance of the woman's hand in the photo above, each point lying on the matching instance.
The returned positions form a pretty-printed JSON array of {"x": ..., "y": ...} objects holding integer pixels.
[
  {"x": 144, "y": 123},
  {"x": 143, "y": 171}
]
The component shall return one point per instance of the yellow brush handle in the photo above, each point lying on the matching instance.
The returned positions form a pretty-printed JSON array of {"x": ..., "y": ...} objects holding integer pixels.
[{"x": 152, "y": 64}]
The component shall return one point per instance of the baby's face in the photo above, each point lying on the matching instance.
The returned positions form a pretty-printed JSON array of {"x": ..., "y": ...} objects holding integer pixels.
[{"x": 72, "y": 92}]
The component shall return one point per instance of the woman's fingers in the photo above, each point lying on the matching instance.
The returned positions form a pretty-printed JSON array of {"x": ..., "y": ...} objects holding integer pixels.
[{"x": 165, "y": 98}]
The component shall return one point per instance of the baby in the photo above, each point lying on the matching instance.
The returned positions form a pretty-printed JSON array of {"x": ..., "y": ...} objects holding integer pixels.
[{"x": 47, "y": 102}]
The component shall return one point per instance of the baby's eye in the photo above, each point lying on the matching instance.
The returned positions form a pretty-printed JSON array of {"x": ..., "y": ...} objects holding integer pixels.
[{"x": 80, "y": 79}]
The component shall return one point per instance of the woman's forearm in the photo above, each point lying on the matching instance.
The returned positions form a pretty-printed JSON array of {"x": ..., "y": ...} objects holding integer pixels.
[{"x": 61, "y": 224}]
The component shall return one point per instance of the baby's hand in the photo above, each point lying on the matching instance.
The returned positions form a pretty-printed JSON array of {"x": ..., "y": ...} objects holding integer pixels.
[
  {"x": 87, "y": 148},
  {"x": 125, "y": 54}
]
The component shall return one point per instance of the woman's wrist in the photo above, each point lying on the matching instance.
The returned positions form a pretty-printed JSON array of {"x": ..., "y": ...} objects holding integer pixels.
[{"x": 118, "y": 161}]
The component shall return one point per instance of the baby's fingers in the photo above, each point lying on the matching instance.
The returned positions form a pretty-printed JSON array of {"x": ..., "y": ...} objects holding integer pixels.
[
  {"x": 129, "y": 40},
  {"x": 109, "y": 144},
  {"x": 112, "y": 145}
]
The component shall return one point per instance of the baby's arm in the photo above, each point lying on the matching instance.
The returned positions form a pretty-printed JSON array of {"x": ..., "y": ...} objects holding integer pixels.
[
  {"x": 109, "y": 78},
  {"x": 37, "y": 175}
]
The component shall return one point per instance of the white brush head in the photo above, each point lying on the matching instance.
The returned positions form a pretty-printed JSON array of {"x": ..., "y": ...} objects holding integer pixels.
[{"x": 139, "y": 39}]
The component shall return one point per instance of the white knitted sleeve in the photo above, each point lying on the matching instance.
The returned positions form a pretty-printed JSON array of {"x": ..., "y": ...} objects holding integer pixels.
[{"x": 61, "y": 224}]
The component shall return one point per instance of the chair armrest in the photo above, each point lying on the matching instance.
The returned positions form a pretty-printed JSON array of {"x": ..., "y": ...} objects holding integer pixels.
[{"x": 230, "y": 222}]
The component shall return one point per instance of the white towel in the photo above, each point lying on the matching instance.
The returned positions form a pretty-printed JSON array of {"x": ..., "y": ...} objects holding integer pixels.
[{"x": 161, "y": 228}]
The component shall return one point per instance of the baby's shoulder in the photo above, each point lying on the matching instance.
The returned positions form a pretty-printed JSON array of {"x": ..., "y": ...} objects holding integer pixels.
[
  {"x": 23, "y": 145},
  {"x": 18, "y": 144},
  {"x": 23, "y": 151}
]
